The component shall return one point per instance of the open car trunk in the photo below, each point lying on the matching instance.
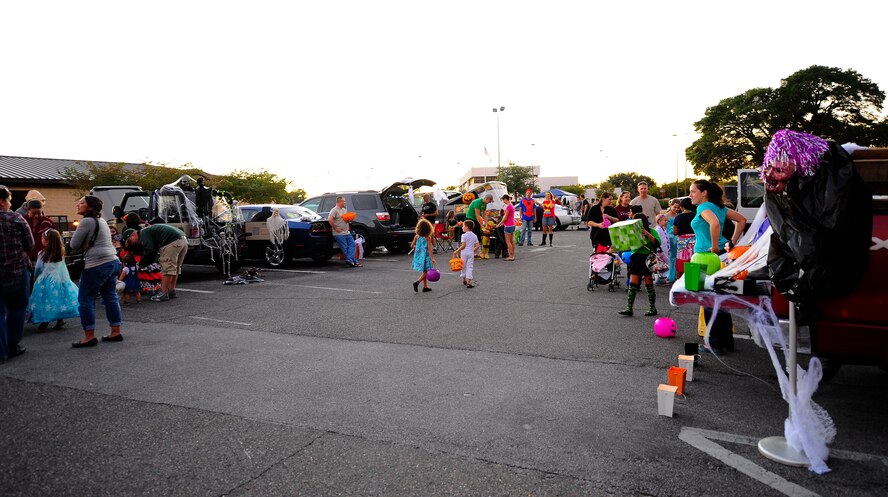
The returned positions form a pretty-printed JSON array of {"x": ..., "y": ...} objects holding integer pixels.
[{"x": 401, "y": 211}]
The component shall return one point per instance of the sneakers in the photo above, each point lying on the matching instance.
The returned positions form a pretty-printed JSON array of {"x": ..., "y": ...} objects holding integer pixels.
[
  {"x": 172, "y": 294},
  {"x": 160, "y": 297}
]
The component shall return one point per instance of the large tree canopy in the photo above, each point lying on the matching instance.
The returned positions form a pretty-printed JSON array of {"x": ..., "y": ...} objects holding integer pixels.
[
  {"x": 517, "y": 178},
  {"x": 836, "y": 104}
]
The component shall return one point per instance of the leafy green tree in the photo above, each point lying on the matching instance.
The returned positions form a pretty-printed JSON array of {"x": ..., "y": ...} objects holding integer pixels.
[
  {"x": 297, "y": 195},
  {"x": 629, "y": 182},
  {"x": 835, "y": 104},
  {"x": 517, "y": 178},
  {"x": 676, "y": 188},
  {"x": 255, "y": 187}
]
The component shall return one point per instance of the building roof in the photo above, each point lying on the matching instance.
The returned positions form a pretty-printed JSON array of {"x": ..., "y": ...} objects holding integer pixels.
[{"x": 42, "y": 171}]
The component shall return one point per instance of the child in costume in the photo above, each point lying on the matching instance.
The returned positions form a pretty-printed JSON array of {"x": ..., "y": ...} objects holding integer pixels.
[
  {"x": 466, "y": 251},
  {"x": 422, "y": 255},
  {"x": 129, "y": 275},
  {"x": 638, "y": 269},
  {"x": 662, "y": 276},
  {"x": 54, "y": 297},
  {"x": 486, "y": 231}
]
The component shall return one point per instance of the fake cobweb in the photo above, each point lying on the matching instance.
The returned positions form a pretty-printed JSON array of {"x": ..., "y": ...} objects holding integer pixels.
[{"x": 809, "y": 428}]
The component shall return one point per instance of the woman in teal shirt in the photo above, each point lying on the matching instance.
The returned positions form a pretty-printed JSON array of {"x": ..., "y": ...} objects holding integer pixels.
[{"x": 707, "y": 225}]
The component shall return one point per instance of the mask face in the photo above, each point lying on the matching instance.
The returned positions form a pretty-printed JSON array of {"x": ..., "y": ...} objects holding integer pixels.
[{"x": 777, "y": 174}]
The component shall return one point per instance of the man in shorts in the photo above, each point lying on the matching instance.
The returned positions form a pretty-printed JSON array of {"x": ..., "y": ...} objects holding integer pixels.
[{"x": 165, "y": 243}]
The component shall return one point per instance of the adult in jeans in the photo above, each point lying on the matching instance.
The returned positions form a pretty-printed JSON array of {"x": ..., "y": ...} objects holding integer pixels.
[
  {"x": 528, "y": 217},
  {"x": 100, "y": 273},
  {"x": 507, "y": 224},
  {"x": 15, "y": 276},
  {"x": 163, "y": 243},
  {"x": 342, "y": 233}
]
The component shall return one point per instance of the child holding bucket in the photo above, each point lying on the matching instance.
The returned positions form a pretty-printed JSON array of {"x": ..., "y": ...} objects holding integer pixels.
[
  {"x": 467, "y": 249},
  {"x": 422, "y": 256},
  {"x": 638, "y": 269}
]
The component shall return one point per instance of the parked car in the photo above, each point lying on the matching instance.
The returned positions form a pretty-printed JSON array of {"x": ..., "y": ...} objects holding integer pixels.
[
  {"x": 310, "y": 234},
  {"x": 563, "y": 218},
  {"x": 384, "y": 218}
]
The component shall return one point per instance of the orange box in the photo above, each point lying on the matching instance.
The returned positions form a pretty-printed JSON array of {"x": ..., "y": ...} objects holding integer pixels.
[{"x": 676, "y": 377}]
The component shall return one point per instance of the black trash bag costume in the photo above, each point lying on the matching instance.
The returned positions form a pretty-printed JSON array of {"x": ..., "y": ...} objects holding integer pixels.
[{"x": 821, "y": 213}]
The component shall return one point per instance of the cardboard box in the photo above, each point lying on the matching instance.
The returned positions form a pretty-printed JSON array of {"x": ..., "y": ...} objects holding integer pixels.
[{"x": 626, "y": 235}]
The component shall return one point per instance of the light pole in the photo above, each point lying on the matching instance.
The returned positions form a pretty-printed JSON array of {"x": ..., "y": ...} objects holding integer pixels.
[
  {"x": 497, "y": 112},
  {"x": 677, "y": 163}
]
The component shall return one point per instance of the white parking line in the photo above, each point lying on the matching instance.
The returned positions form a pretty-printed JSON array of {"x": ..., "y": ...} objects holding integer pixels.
[
  {"x": 307, "y": 271},
  {"x": 703, "y": 440},
  {"x": 221, "y": 321},
  {"x": 337, "y": 289},
  {"x": 178, "y": 289}
]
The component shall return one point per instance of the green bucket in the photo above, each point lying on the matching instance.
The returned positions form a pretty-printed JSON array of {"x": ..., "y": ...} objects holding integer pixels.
[{"x": 695, "y": 276}]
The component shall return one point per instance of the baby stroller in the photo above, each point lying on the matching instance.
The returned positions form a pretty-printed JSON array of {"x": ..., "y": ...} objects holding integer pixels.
[{"x": 604, "y": 269}]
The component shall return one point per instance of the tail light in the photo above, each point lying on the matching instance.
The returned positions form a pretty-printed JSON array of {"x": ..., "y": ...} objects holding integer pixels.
[
  {"x": 319, "y": 228},
  {"x": 383, "y": 216},
  {"x": 195, "y": 232}
]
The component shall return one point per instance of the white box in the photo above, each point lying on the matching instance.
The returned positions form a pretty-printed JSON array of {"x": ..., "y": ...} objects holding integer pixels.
[
  {"x": 665, "y": 399},
  {"x": 687, "y": 362}
]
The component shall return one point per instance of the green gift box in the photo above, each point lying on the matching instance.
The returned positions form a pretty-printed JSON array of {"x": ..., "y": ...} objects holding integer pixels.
[
  {"x": 695, "y": 276},
  {"x": 626, "y": 235}
]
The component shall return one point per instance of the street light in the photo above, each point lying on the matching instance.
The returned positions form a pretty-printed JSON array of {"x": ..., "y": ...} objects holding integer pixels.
[{"x": 497, "y": 112}]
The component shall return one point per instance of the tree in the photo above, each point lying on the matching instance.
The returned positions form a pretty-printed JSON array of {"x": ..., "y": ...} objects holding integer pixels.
[
  {"x": 517, "y": 178},
  {"x": 256, "y": 187},
  {"x": 297, "y": 195},
  {"x": 629, "y": 182},
  {"x": 836, "y": 104}
]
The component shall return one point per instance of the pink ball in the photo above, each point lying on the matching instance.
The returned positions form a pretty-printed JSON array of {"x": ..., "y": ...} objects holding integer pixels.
[
  {"x": 665, "y": 327},
  {"x": 433, "y": 275}
]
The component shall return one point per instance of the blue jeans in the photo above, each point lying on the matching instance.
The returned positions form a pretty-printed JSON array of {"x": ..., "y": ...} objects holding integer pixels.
[
  {"x": 99, "y": 280},
  {"x": 14, "y": 293},
  {"x": 526, "y": 230},
  {"x": 347, "y": 246}
]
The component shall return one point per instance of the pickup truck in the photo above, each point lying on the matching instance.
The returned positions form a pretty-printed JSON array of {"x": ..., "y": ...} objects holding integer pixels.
[{"x": 853, "y": 328}]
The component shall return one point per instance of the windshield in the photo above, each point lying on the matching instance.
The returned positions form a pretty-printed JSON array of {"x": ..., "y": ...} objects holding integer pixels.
[{"x": 297, "y": 213}]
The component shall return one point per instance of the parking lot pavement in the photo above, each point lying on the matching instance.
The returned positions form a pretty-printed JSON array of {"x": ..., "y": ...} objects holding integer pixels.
[{"x": 344, "y": 381}]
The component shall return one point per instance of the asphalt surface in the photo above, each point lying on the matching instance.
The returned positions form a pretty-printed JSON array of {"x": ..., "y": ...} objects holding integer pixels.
[{"x": 324, "y": 380}]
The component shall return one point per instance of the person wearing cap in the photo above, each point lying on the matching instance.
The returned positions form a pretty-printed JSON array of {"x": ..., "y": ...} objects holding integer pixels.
[
  {"x": 31, "y": 195},
  {"x": 528, "y": 217},
  {"x": 168, "y": 245}
]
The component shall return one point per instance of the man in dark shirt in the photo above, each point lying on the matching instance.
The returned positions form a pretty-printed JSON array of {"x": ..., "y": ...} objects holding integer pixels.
[
  {"x": 429, "y": 208},
  {"x": 166, "y": 243}
]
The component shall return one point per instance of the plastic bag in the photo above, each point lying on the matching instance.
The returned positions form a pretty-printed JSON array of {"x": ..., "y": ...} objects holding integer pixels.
[{"x": 820, "y": 222}]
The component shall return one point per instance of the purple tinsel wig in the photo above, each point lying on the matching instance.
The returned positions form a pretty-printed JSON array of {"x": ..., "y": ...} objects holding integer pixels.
[{"x": 804, "y": 150}]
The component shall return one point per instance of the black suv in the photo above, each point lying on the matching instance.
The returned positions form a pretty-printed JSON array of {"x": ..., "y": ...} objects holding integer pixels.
[{"x": 383, "y": 218}]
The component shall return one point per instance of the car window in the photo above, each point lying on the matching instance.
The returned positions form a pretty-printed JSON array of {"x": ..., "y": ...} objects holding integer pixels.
[
  {"x": 312, "y": 203},
  {"x": 248, "y": 213},
  {"x": 364, "y": 202},
  {"x": 327, "y": 204},
  {"x": 135, "y": 203}
]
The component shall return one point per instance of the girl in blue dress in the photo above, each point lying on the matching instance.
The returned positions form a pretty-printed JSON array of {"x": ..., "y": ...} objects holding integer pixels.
[
  {"x": 54, "y": 297},
  {"x": 423, "y": 245}
]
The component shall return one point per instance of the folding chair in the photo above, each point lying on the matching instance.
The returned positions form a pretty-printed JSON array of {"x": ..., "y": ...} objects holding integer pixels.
[{"x": 442, "y": 239}]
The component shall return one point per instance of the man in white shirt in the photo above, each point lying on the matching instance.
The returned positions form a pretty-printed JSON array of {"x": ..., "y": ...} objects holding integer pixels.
[{"x": 650, "y": 206}]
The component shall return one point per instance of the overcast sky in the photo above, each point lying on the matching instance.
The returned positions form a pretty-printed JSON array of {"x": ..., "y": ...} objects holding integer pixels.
[{"x": 357, "y": 94}]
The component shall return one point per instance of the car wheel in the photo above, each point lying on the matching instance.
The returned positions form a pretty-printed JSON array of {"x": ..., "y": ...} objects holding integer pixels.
[
  {"x": 558, "y": 225},
  {"x": 276, "y": 255},
  {"x": 321, "y": 257}
]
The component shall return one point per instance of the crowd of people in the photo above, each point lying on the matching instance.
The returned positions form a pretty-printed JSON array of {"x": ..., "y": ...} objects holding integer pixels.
[{"x": 35, "y": 283}]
